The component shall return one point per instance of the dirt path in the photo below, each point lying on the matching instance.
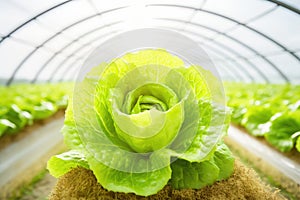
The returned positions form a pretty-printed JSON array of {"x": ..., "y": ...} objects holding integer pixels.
[
  {"x": 282, "y": 171},
  {"x": 41, "y": 189}
]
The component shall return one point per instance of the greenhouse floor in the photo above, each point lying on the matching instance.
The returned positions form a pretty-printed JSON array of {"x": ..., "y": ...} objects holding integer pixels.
[
  {"x": 271, "y": 165},
  {"x": 279, "y": 169},
  {"x": 39, "y": 190},
  {"x": 24, "y": 158},
  {"x": 43, "y": 187}
]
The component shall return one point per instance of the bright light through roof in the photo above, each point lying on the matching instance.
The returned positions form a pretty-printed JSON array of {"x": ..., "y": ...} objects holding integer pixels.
[
  {"x": 137, "y": 16},
  {"x": 253, "y": 29}
]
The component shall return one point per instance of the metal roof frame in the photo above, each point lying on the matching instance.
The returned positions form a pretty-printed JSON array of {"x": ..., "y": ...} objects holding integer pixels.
[{"x": 222, "y": 54}]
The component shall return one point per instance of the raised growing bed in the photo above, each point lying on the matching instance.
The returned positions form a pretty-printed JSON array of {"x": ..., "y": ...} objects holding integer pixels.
[
  {"x": 23, "y": 104},
  {"x": 23, "y": 159},
  {"x": 268, "y": 111},
  {"x": 31, "y": 116},
  {"x": 280, "y": 169},
  {"x": 265, "y": 131}
]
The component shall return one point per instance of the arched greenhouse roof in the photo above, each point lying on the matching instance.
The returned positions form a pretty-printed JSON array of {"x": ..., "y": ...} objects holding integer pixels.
[{"x": 248, "y": 40}]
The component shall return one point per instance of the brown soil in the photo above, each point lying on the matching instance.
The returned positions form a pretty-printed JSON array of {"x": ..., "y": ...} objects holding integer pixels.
[
  {"x": 243, "y": 184},
  {"x": 6, "y": 140}
]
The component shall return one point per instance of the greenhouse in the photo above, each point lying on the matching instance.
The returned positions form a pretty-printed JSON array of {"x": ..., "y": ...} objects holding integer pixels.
[{"x": 140, "y": 99}]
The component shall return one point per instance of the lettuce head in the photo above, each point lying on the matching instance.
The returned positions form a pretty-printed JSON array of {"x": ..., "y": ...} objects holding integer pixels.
[{"x": 145, "y": 120}]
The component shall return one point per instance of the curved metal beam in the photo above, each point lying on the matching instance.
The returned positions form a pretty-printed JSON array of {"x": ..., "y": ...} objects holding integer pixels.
[
  {"x": 233, "y": 20},
  {"x": 70, "y": 67},
  {"x": 217, "y": 14},
  {"x": 287, "y": 6},
  {"x": 224, "y": 64},
  {"x": 55, "y": 35},
  {"x": 219, "y": 44},
  {"x": 41, "y": 69},
  {"x": 32, "y": 19},
  {"x": 67, "y": 69},
  {"x": 70, "y": 74},
  {"x": 72, "y": 55},
  {"x": 225, "y": 67},
  {"x": 244, "y": 25},
  {"x": 229, "y": 37},
  {"x": 238, "y": 70},
  {"x": 223, "y": 46},
  {"x": 238, "y": 74},
  {"x": 225, "y": 57},
  {"x": 279, "y": 3},
  {"x": 60, "y": 65},
  {"x": 76, "y": 50}
]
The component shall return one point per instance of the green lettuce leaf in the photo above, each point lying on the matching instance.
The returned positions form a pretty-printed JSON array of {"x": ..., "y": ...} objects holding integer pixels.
[
  {"x": 193, "y": 175},
  {"x": 298, "y": 144},
  {"x": 145, "y": 184},
  {"x": 133, "y": 117},
  {"x": 224, "y": 159},
  {"x": 18, "y": 117},
  {"x": 44, "y": 110},
  {"x": 69, "y": 130},
  {"x": 60, "y": 164},
  {"x": 196, "y": 175},
  {"x": 283, "y": 131},
  {"x": 255, "y": 118},
  {"x": 5, "y": 124},
  {"x": 21, "y": 108},
  {"x": 266, "y": 110}
]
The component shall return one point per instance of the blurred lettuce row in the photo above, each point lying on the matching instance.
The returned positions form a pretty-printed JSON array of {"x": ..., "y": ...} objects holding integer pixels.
[
  {"x": 271, "y": 111},
  {"x": 21, "y": 104},
  {"x": 146, "y": 120}
]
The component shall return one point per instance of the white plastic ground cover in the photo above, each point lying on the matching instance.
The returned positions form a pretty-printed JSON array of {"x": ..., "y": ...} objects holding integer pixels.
[
  {"x": 22, "y": 154},
  {"x": 286, "y": 166}
]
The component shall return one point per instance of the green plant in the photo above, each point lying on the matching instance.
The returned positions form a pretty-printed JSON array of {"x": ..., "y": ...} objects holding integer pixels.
[
  {"x": 23, "y": 103},
  {"x": 146, "y": 120},
  {"x": 267, "y": 110}
]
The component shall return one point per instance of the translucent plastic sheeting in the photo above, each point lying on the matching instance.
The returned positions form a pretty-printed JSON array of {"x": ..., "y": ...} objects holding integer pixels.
[
  {"x": 286, "y": 166},
  {"x": 293, "y": 3},
  {"x": 248, "y": 40},
  {"x": 237, "y": 9},
  {"x": 286, "y": 22}
]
